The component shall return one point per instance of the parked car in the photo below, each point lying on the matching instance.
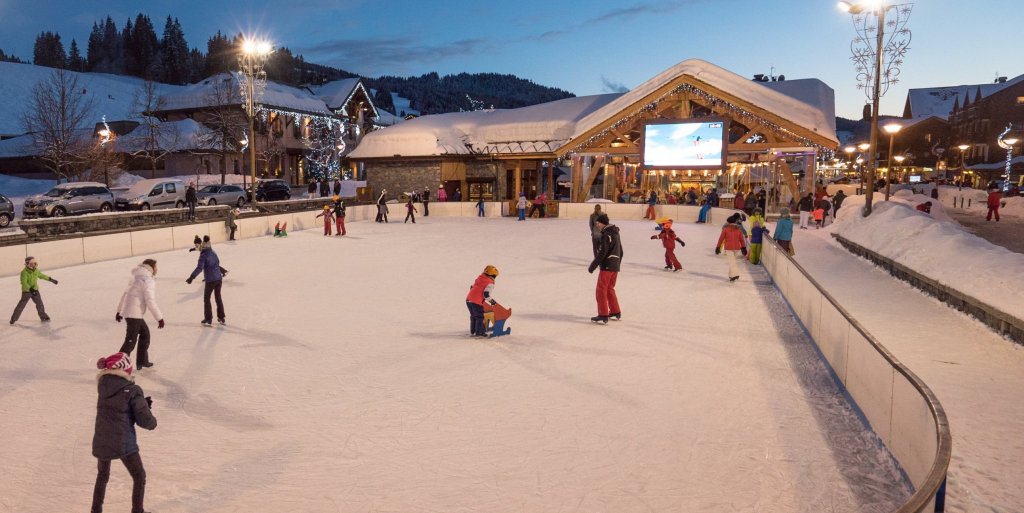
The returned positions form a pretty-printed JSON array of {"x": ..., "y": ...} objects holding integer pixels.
[
  {"x": 221, "y": 195},
  {"x": 153, "y": 193},
  {"x": 272, "y": 190},
  {"x": 70, "y": 198},
  {"x": 6, "y": 211}
]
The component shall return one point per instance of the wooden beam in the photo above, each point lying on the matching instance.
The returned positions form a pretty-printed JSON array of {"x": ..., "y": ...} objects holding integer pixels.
[{"x": 787, "y": 175}]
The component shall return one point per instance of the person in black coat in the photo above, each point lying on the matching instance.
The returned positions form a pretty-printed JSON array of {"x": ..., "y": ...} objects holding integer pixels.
[
  {"x": 337, "y": 187},
  {"x": 609, "y": 259},
  {"x": 426, "y": 201},
  {"x": 121, "y": 406},
  {"x": 382, "y": 207},
  {"x": 191, "y": 199}
]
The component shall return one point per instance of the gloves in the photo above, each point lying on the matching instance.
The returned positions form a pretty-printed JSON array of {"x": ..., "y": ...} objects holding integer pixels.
[
  {"x": 117, "y": 317},
  {"x": 654, "y": 237},
  {"x": 53, "y": 281},
  {"x": 189, "y": 281},
  {"x": 160, "y": 324},
  {"x": 718, "y": 251},
  {"x": 492, "y": 302},
  {"x": 149, "y": 401},
  {"x": 681, "y": 243},
  {"x": 743, "y": 250},
  {"x": 591, "y": 268}
]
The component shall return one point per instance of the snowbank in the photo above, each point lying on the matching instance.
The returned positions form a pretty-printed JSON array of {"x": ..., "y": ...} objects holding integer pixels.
[{"x": 936, "y": 247}]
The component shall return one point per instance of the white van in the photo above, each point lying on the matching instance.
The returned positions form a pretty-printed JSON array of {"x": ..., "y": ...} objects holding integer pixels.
[{"x": 152, "y": 193}]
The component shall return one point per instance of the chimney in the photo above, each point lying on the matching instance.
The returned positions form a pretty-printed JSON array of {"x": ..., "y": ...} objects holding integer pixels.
[{"x": 1000, "y": 80}]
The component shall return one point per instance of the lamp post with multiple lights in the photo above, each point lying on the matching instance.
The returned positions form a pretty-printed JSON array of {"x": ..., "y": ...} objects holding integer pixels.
[
  {"x": 251, "y": 62},
  {"x": 893, "y": 44},
  {"x": 1006, "y": 141}
]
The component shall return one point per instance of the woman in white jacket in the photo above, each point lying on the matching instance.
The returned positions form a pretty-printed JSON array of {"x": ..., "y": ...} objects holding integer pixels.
[{"x": 139, "y": 297}]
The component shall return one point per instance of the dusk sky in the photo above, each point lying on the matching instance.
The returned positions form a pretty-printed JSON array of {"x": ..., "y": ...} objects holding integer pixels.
[{"x": 584, "y": 47}]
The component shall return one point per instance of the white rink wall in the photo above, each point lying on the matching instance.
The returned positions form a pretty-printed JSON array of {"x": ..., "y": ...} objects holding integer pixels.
[{"x": 901, "y": 409}]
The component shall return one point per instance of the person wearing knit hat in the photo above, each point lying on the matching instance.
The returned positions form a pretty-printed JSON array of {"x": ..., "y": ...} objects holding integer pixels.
[
  {"x": 609, "y": 259},
  {"x": 121, "y": 406},
  {"x": 733, "y": 240},
  {"x": 139, "y": 297},
  {"x": 30, "y": 276},
  {"x": 784, "y": 231},
  {"x": 595, "y": 234}
]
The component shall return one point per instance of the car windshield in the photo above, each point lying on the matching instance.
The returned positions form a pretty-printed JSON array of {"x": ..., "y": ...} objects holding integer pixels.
[
  {"x": 56, "y": 192},
  {"x": 209, "y": 188}
]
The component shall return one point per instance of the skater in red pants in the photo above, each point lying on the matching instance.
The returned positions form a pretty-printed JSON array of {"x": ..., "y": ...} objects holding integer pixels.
[
  {"x": 608, "y": 258},
  {"x": 339, "y": 215},
  {"x": 668, "y": 240},
  {"x": 327, "y": 215}
]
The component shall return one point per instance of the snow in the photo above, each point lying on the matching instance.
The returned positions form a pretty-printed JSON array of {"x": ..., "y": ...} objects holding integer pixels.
[
  {"x": 975, "y": 373},
  {"x": 403, "y": 106},
  {"x": 935, "y": 246},
  {"x": 354, "y": 387},
  {"x": 113, "y": 94},
  {"x": 203, "y": 94},
  {"x": 938, "y": 101},
  {"x": 811, "y": 117},
  {"x": 173, "y": 136}
]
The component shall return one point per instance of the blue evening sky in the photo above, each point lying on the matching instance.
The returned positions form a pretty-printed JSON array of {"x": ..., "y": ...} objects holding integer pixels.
[{"x": 584, "y": 47}]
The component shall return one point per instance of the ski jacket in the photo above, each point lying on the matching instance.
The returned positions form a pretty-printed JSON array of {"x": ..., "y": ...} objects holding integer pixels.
[
  {"x": 30, "y": 279},
  {"x": 426, "y": 195},
  {"x": 337, "y": 187},
  {"x": 594, "y": 232},
  {"x": 209, "y": 265},
  {"x": 140, "y": 295},
  {"x": 190, "y": 195},
  {"x": 481, "y": 289},
  {"x": 819, "y": 214},
  {"x": 738, "y": 202},
  {"x": 230, "y": 221},
  {"x": 409, "y": 208},
  {"x": 121, "y": 405},
  {"x": 806, "y": 204},
  {"x": 339, "y": 209},
  {"x": 924, "y": 208},
  {"x": 609, "y": 251},
  {"x": 784, "y": 229},
  {"x": 756, "y": 234},
  {"x": 668, "y": 238},
  {"x": 381, "y": 199},
  {"x": 521, "y": 204},
  {"x": 837, "y": 200},
  {"x": 732, "y": 237},
  {"x": 993, "y": 199},
  {"x": 652, "y": 199}
]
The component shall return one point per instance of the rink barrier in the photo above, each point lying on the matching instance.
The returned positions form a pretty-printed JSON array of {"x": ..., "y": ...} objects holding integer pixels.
[
  {"x": 85, "y": 248},
  {"x": 1002, "y": 322},
  {"x": 900, "y": 408}
]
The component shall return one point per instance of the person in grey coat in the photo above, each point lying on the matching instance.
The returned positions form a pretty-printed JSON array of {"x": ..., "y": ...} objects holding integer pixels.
[{"x": 121, "y": 406}]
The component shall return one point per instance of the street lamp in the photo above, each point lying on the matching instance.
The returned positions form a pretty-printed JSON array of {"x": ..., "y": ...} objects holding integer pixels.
[
  {"x": 899, "y": 163},
  {"x": 251, "y": 61},
  {"x": 1006, "y": 141},
  {"x": 892, "y": 129},
  {"x": 895, "y": 44},
  {"x": 963, "y": 148},
  {"x": 106, "y": 136}
]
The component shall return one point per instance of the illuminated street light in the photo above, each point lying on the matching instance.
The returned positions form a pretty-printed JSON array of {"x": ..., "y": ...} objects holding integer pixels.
[
  {"x": 892, "y": 129},
  {"x": 890, "y": 39},
  {"x": 251, "y": 61},
  {"x": 1007, "y": 141}
]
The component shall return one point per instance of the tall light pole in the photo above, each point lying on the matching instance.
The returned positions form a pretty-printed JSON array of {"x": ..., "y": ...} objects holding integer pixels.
[
  {"x": 251, "y": 62},
  {"x": 899, "y": 163},
  {"x": 894, "y": 45},
  {"x": 963, "y": 148},
  {"x": 106, "y": 136},
  {"x": 892, "y": 129},
  {"x": 1006, "y": 141}
]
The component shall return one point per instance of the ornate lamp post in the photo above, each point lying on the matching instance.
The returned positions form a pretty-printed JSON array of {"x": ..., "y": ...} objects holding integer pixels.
[
  {"x": 869, "y": 21},
  {"x": 106, "y": 136},
  {"x": 250, "y": 62},
  {"x": 892, "y": 129},
  {"x": 1006, "y": 141}
]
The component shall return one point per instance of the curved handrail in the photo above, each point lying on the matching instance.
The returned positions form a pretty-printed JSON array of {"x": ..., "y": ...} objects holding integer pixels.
[{"x": 936, "y": 476}]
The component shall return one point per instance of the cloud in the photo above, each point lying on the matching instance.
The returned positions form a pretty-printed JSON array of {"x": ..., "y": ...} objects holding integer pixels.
[
  {"x": 618, "y": 16},
  {"x": 370, "y": 56},
  {"x": 612, "y": 87}
]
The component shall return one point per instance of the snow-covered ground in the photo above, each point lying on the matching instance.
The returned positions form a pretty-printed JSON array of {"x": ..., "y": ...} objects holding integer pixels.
[{"x": 345, "y": 381}]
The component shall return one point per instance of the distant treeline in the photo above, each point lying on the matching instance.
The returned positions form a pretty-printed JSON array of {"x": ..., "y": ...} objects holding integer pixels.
[{"x": 135, "y": 50}]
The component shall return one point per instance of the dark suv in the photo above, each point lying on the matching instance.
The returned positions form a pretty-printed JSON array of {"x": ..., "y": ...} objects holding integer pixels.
[
  {"x": 6, "y": 211},
  {"x": 272, "y": 190}
]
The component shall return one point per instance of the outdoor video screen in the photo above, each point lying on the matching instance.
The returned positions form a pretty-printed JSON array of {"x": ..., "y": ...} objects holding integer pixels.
[{"x": 695, "y": 144}]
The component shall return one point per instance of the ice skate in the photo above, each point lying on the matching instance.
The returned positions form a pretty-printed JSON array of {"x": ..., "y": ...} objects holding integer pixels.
[
  {"x": 600, "y": 319},
  {"x": 615, "y": 316},
  {"x": 206, "y": 324}
]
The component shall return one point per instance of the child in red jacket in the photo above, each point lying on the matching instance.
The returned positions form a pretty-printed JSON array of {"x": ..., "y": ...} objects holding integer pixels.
[
  {"x": 479, "y": 293},
  {"x": 734, "y": 242},
  {"x": 410, "y": 208},
  {"x": 994, "y": 198},
  {"x": 668, "y": 241},
  {"x": 327, "y": 215}
]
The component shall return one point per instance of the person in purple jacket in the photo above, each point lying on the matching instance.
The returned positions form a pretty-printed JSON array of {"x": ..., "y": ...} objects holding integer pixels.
[{"x": 209, "y": 265}]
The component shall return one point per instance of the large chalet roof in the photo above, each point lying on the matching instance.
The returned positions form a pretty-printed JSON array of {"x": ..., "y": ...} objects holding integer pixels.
[
  {"x": 938, "y": 101},
  {"x": 549, "y": 127},
  {"x": 205, "y": 94},
  {"x": 183, "y": 135}
]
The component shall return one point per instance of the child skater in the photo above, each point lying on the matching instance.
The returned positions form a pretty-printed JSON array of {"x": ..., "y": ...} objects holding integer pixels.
[
  {"x": 327, "y": 215},
  {"x": 122, "y": 405},
  {"x": 480, "y": 292},
  {"x": 668, "y": 241},
  {"x": 819, "y": 216},
  {"x": 410, "y": 210},
  {"x": 339, "y": 216},
  {"x": 480, "y": 207},
  {"x": 757, "y": 232}
]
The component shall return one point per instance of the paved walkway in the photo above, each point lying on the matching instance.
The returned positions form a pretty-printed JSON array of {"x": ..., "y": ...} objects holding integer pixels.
[
  {"x": 1008, "y": 233},
  {"x": 976, "y": 374}
]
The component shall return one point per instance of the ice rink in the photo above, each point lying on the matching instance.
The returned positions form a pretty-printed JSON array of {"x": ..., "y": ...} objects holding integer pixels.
[{"x": 345, "y": 381}]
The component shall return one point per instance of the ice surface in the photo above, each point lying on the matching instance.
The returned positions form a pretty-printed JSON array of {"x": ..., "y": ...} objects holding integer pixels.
[{"x": 345, "y": 381}]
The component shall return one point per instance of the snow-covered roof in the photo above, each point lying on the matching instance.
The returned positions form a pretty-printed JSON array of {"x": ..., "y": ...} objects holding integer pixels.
[
  {"x": 24, "y": 145},
  {"x": 173, "y": 136},
  {"x": 938, "y": 101},
  {"x": 813, "y": 117},
  {"x": 337, "y": 93},
  {"x": 278, "y": 96},
  {"x": 538, "y": 128},
  {"x": 811, "y": 91},
  {"x": 992, "y": 166},
  {"x": 112, "y": 95}
]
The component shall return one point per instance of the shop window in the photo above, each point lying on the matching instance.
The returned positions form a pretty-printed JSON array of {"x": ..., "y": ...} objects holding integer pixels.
[{"x": 1020, "y": 100}]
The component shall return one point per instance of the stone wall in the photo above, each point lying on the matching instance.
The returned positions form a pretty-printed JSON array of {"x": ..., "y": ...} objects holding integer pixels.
[{"x": 399, "y": 177}]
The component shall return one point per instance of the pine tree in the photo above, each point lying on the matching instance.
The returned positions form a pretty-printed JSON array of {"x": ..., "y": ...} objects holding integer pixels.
[
  {"x": 113, "y": 49},
  {"x": 145, "y": 48},
  {"x": 94, "y": 49},
  {"x": 49, "y": 51},
  {"x": 220, "y": 54},
  {"x": 174, "y": 54},
  {"x": 75, "y": 61},
  {"x": 127, "y": 42}
]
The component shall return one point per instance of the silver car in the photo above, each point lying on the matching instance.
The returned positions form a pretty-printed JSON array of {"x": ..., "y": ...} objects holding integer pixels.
[
  {"x": 70, "y": 198},
  {"x": 6, "y": 211},
  {"x": 221, "y": 195}
]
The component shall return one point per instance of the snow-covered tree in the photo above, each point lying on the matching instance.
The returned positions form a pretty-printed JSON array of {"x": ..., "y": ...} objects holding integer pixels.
[
  {"x": 153, "y": 140},
  {"x": 223, "y": 125}
]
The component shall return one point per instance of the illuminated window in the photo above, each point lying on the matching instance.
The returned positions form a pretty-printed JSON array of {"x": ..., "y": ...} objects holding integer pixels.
[{"x": 1020, "y": 100}]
